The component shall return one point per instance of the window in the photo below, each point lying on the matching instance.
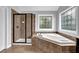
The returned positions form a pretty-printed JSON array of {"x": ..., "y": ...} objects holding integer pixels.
[
  {"x": 68, "y": 20},
  {"x": 45, "y": 23}
]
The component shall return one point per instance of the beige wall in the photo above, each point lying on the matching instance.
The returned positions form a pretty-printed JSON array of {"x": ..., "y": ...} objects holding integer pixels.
[{"x": 28, "y": 25}]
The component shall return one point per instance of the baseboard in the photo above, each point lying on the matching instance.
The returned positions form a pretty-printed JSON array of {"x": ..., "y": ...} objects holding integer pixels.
[
  {"x": 1, "y": 50},
  {"x": 8, "y": 46}
]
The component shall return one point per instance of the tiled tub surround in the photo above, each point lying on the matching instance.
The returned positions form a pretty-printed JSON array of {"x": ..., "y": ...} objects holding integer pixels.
[{"x": 54, "y": 43}]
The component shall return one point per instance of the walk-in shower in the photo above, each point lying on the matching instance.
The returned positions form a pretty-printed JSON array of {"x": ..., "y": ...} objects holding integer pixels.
[{"x": 22, "y": 28}]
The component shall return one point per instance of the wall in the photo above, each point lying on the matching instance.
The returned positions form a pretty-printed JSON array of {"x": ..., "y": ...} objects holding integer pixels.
[
  {"x": 33, "y": 23},
  {"x": 8, "y": 25},
  {"x": 5, "y": 27},
  {"x": 77, "y": 17},
  {"x": 28, "y": 25},
  {"x": 2, "y": 28}
]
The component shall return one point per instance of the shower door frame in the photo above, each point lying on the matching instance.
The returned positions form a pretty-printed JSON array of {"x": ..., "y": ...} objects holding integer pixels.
[{"x": 14, "y": 27}]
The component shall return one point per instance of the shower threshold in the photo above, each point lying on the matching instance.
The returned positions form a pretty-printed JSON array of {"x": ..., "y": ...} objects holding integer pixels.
[{"x": 29, "y": 42}]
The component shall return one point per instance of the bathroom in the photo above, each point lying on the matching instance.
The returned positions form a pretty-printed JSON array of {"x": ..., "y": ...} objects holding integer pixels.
[{"x": 45, "y": 29}]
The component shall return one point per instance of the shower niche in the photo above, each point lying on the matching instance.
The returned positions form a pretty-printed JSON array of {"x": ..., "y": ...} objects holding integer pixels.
[{"x": 22, "y": 28}]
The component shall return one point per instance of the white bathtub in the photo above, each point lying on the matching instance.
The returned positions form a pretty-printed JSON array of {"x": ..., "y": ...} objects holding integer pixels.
[{"x": 56, "y": 39}]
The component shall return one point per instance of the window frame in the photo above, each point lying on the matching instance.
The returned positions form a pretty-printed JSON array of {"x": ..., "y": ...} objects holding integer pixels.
[
  {"x": 38, "y": 29},
  {"x": 64, "y": 30}
]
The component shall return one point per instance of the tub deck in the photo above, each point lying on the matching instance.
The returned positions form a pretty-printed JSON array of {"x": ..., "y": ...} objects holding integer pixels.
[
  {"x": 54, "y": 43},
  {"x": 56, "y": 39}
]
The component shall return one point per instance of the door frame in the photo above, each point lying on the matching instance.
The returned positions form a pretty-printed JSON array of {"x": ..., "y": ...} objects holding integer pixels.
[{"x": 14, "y": 27}]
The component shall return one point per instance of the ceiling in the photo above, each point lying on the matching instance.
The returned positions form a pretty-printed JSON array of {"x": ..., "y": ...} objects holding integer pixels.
[{"x": 35, "y": 8}]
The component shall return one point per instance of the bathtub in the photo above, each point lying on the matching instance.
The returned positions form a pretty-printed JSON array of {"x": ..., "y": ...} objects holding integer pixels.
[{"x": 56, "y": 39}]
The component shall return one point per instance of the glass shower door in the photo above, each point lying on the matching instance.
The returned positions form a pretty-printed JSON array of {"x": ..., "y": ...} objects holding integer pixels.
[{"x": 19, "y": 28}]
